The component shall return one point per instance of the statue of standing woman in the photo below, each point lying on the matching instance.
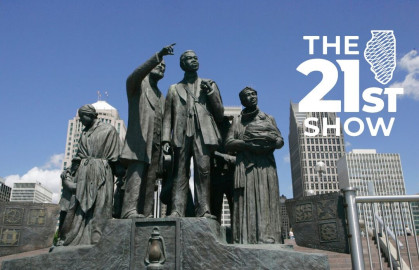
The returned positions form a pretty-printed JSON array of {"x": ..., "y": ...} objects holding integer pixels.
[
  {"x": 92, "y": 170},
  {"x": 254, "y": 136}
]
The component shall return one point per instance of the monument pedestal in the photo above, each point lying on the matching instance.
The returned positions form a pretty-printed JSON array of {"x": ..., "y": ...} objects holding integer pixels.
[
  {"x": 26, "y": 226},
  {"x": 319, "y": 222},
  {"x": 169, "y": 243}
]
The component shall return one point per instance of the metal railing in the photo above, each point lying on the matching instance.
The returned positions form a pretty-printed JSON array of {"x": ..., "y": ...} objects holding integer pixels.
[{"x": 384, "y": 229}]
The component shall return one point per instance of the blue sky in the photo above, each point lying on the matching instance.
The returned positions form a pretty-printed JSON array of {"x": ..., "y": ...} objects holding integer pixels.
[{"x": 56, "y": 55}]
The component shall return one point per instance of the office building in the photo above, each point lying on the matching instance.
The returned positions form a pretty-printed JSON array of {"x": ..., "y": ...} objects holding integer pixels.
[
  {"x": 225, "y": 213},
  {"x": 106, "y": 113},
  {"x": 232, "y": 110},
  {"x": 30, "y": 192},
  {"x": 373, "y": 173},
  {"x": 306, "y": 151},
  {"x": 4, "y": 191},
  {"x": 415, "y": 213},
  {"x": 285, "y": 227}
]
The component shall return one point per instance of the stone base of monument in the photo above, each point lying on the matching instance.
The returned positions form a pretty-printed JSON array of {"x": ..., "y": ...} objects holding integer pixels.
[
  {"x": 319, "y": 222},
  {"x": 26, "y": 226},
  {"x": 169, "y": 243}
]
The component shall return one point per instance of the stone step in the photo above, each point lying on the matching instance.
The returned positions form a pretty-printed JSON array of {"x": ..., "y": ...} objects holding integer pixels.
[
  {"x": 338, "y": 261},
  {"x": 377, "y": 266},
  {"x": 341, "y": 266},
  {"x": 342, "y": 261},
  {"x": 413, "y": 251}
]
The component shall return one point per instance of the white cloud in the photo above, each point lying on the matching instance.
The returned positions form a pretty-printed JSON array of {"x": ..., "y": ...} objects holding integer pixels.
[
  {"x": 410, "y": 85},
  {"x": 48, "y": 175},
  {"x": 347, "y": 144},
  {"x": 287, "y": 158},
  {"x": 410, "y": 63},
  {"x": 54, "y": 162}
]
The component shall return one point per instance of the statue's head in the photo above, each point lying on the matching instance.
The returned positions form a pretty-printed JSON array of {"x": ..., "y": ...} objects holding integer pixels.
[
  {"x": 248, "y": 97},
  {"x": 87, "y": 114},
  {"x": 189, "y": 61},
  {"x": 157, "y": 73}
]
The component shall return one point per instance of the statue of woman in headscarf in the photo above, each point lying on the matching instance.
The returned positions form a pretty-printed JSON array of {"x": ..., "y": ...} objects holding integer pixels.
[
  {"x": 254, "y": 136},
  {"x": 92, "y": 170}
]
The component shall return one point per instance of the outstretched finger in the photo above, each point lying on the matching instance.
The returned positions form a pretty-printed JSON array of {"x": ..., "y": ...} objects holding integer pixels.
[{"x": 170, "y": 48}]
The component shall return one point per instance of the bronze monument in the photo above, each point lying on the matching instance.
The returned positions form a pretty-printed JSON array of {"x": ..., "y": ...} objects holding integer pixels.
[
  {"x": 142, "y": 147},
  {"x": 93, "y": 169},
  {"x": 193, "y": 106},
  {"x": 254, "y": 136}
]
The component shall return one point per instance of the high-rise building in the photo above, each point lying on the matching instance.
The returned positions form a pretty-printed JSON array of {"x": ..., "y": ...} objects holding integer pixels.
[
  {"x": 232, "y": 110},
  {"x": 373, "y": 173},
  {"x": 306, "y": 151},
  {"x": 106, "y": 113},
  {"x": 4, "y": 191},
  {"x": 225, "y": 213},
  {"x": 415, "y": 213},
  {"x": 30, "y": 192},
  {"x": 285, "y": 227}
]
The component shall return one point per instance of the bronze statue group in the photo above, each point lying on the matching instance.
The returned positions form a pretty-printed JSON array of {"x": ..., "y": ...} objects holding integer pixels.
[{"x": 230, "y": 156}]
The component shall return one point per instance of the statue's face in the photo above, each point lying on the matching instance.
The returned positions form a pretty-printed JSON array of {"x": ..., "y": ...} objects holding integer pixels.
[
  {"x": 86, "y": 119},
  {"x": 190, "y": 62},
  {"x": 249, "y": 99},
  {"x": 158, "y": 72}
]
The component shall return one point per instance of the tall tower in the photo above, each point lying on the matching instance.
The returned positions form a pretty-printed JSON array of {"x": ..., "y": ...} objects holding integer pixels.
[
  {"x": 378, "y": 174},
  {"x": 415, "y": 213},
  {"x": 225, "y": 213},
  {"x": 285, "y": 221},
  {"x": 106, "y": 113},
  {"x": 306, "y": 151}
]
